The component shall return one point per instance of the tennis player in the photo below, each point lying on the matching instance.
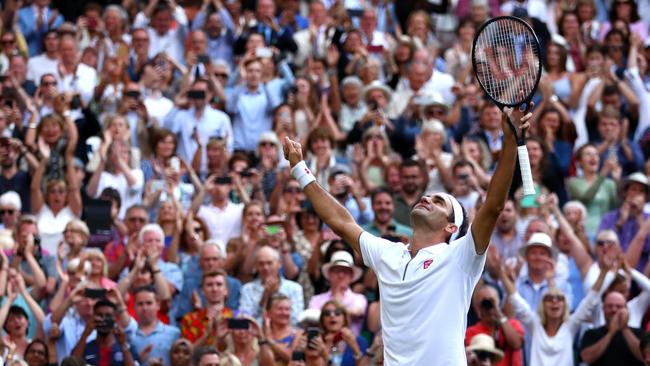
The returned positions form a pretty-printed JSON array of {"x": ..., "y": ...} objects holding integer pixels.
[{"x": 425, "y": 287}]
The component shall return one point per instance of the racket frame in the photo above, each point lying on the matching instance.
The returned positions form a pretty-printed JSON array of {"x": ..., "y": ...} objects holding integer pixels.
[{"x": 522, "y": 152}]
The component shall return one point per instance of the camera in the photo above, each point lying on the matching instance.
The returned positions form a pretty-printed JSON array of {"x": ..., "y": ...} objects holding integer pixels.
[
  {"x": 75, "y": 103},
  {"x": 486, "y": 304},
  {"x": 372, "y": 105}
]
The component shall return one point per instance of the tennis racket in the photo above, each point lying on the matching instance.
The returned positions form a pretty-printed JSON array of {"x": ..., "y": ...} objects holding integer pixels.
[{"x": 506, "y": 60}]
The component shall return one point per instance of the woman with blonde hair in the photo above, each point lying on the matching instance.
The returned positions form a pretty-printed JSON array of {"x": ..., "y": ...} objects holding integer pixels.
[
  {"x": 98, "y": 270},
  {"x": 116, "y": 127},
  {"x": 553, "y": 329}
]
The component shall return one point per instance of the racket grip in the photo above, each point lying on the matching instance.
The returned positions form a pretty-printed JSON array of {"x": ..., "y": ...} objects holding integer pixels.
[{"x": 524, "y": 167}]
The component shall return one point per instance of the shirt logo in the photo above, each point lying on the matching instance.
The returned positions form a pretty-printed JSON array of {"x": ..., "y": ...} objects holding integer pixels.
[{"x": 427, "y": 263}]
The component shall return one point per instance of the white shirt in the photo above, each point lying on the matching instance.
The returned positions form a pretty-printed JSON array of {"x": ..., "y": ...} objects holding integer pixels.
[
  {"x": 636, "y": 306},
  {"x": 223, "y": 224},
  {"x": 158, "y": 106},
  {"x": 50, "y": 227},
  {"x": 170, "y": 42},
  {"x": 40, "y": 65},
  {"x": 553, "y": 350},
  {"x": 83, "y": 81},
  {"x": 424, "y": 299},
  {"x": 130, "y": 195}
]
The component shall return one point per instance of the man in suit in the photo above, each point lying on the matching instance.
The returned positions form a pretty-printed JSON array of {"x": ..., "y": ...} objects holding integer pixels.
[
  {"x": 267, "y": 26},
  {"x": 34, "y": 21}
]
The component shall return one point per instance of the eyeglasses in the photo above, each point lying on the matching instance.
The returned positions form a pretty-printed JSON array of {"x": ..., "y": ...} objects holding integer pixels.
[
  {"x": 7, "y": 212},
  {"x": 553, "y": 298},
  {"x": 49, "y": 83},
  {"x": 336, "y": 312},
  {"x": 292, "y": 190},
  {"x": 601, "y": 243}
]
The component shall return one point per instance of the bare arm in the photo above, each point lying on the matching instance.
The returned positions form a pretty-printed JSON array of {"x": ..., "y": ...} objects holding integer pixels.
[
  {"x": 500, "y": 185},
  {"x": 327, "y": 207},
  {"x": 37, "y": 199},
  {"x": 578, "y": 252},
  {"x": 74, "y": 191}
]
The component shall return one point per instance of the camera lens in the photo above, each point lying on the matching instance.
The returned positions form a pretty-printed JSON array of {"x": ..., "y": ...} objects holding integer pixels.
[{"x": 486, "y": 304}]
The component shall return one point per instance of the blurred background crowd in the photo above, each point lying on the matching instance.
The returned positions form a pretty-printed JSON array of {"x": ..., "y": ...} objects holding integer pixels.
[{"x": 149, "y": 217}]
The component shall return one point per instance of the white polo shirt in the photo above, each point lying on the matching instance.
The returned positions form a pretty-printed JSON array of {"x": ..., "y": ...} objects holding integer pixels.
[{"x": 424, "y": 299}]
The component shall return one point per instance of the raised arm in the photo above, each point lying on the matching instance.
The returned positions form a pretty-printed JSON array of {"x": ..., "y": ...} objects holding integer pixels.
[
  {"x": 578, "y": 252},
  {"x": 497, "y": 192},
  {"x": 37, "y": 199},
  {"x": 327, "y": 207}
]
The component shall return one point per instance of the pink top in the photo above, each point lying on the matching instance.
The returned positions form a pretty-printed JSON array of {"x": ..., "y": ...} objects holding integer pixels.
[{"x": 351, "y": 300}]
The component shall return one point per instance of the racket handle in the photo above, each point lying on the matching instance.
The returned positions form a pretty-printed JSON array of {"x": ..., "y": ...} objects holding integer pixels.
[{"x": 526, "y": 175}]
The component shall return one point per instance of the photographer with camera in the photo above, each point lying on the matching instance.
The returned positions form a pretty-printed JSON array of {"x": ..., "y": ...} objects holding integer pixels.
[
  {"x": 509, "y": 332},
  {"x": 110, "y": 339},
  {"x": 199, "y": 119}
]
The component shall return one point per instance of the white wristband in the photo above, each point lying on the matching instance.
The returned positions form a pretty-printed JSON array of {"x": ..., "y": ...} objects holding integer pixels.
[{"x": 302, "y": 174}]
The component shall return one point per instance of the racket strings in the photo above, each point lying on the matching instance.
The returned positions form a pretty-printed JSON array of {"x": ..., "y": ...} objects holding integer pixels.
[{"x": 507, "y": 58}]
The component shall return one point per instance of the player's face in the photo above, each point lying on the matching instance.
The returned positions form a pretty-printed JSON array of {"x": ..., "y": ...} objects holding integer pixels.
[{"x": 434, "y": 210}]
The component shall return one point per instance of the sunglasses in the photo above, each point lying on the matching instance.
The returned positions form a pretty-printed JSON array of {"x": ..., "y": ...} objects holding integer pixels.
[
  {"x": 601, "y": 243},
  {"x": 221, "y": 75},
  {"x": 7, "y": 212},
  {"x": 336, "y": 312},
  {"x": 49, "y": 83},
  {"x": 137, "y": 219},
  {"x": 266, "y": 144},
  {"x": 554, "y": 298},
  {"x": 198, "y": 229},
  {"x": 8, "y": 41}
]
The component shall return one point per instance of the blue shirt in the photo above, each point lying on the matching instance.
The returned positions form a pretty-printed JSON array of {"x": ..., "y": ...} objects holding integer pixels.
[
  {"x": 161, "y": 339},
  {"x": 71, "y": 327},
  {"x": 251, "y": 114},
  {"x": 213, "y": 123},
  {"x": 251, "y": 294}
]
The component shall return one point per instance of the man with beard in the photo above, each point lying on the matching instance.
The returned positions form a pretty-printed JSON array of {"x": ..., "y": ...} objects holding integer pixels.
[
  {"x": 412, "y": 175},
  {"x": 110, "y": 346},
  {"x": 505, "y": 237},
  {"x": 384, "y": 223}
]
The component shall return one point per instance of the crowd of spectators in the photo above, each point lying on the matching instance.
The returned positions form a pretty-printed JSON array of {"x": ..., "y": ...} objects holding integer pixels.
[{"x": 149, "y": 216}]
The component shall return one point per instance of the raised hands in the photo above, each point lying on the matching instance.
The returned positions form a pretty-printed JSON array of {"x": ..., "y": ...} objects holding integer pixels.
[{"x": 292, "y": 151}]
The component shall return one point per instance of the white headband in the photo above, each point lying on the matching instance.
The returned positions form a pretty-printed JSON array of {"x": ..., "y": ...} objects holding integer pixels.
[{"x": 458, "y": 215}]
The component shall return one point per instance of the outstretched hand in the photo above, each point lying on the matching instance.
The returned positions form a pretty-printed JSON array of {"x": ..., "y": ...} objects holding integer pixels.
[
  {"x": 292, "y": 151},
  {"x": 518, "y": 118}
]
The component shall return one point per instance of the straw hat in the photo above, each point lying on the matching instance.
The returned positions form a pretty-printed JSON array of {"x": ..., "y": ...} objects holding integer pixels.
[
  {"x": 342, "y": 259},
  {"x": 485, "y": 343}
]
